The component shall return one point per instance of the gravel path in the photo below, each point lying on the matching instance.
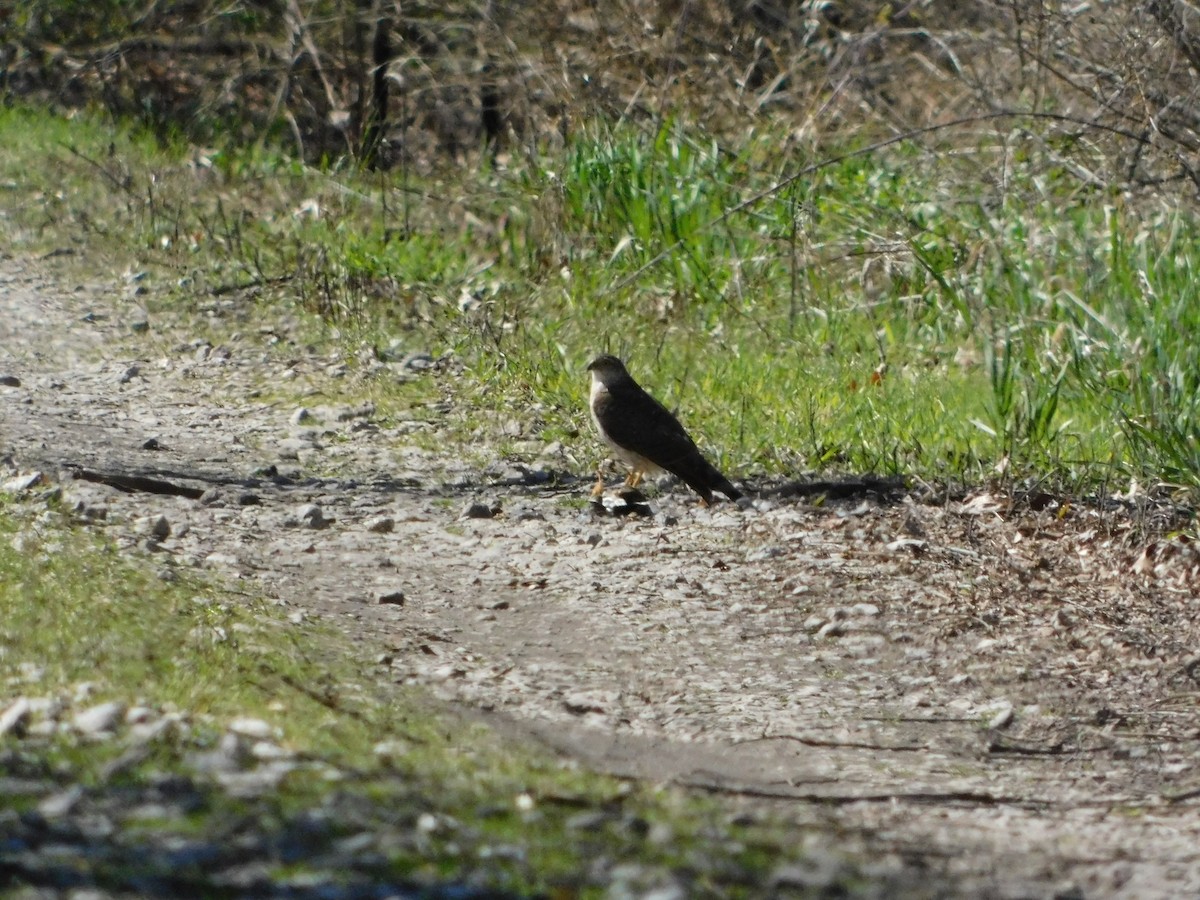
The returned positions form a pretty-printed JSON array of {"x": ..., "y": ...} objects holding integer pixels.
[{"x": 1004, "y": 695}]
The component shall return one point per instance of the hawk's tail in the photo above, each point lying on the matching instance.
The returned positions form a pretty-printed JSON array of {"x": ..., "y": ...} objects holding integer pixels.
[{"x": 705, "y": 478}]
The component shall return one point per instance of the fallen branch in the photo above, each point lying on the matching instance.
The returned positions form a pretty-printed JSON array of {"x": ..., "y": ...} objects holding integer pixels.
[
  {"x": 132, "y": 484},
  {"x": 836, "y": 745},
  {"x": 978, "y": 798}
]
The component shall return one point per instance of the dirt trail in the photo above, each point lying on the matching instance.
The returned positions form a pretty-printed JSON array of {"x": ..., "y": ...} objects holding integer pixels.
[{"x": 1005, "y": 696}]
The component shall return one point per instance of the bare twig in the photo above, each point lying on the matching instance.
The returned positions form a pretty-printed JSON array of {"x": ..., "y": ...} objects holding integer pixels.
[{"x": 131, "y": 484}]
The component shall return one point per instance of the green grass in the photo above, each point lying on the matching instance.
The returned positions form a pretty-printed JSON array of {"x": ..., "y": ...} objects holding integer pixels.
[
  {"x": 73, "y": 611},
  {"x": 893, "y": 311}
]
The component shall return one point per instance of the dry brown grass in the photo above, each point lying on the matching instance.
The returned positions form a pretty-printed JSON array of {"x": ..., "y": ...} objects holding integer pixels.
[{"x": 1110, "y": 86}]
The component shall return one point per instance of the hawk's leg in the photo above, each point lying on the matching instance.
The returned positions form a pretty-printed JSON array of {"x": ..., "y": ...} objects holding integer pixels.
[
  {"x": 598, "y": 488},
  {"x": 634, "y": 479}
]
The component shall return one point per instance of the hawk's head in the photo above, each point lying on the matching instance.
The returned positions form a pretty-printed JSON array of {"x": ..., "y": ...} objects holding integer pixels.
[{"x": 607, "y": 369}]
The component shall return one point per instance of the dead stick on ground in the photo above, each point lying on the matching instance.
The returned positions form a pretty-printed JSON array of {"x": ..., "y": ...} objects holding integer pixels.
[{"x": 132, "y": 484}]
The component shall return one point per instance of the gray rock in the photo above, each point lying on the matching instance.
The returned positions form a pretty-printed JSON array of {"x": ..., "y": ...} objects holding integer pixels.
[
  {"x": 774, "y": 551},
  {"x": 232, "y": 754},
  {"x": 58, "y": 805},
  {"x": 417, "y": 362},
  {"x": 98, "y": 719},
  {"x": 258, "y": 781},
  {"x": 589, "y": 820},
  {"x": 292, "y": 447},
  {"x": 301, "y": 417},
  {"x": 130, "y": 373},
  {"x": 250, "y": 727},
  {"x": 395, "y": 598},
  {"x": 311, "y": 516},
  {"x": 23, "y": 483},
  {"x": 16, "y": 718},
  {"x": 349, "y": 413},
  {"x": 382, "y": 525},
  {"x": 156, "y": 526},
  {"x": 832, "y": 629},
  {"x": 1002, "y": 719},
  {"x": 477, "y": 510},
  {"x": 9, "y": 381}
]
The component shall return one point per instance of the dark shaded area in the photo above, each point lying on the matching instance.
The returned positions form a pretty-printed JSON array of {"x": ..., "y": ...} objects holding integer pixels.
[{"x": 241, "y": 849}]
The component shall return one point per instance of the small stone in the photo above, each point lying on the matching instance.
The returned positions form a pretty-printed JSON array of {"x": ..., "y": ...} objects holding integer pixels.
[
  {"x": 246, "y": 498},
  {"x": 382, "y": 525},
  {"x": 15, "y": 719},
  {"x": 9, "y": 381},
  {"x": 152, "y": 444},
  {"x": 230, "y": 755},
  {"x": 137, "y": 715},
  {"x": 250, "y": 727},
  {"x": 350, "y": 413},
  {"x": 864, "y": 609},
  {"x": 392, "y": 749},
  {"x": 832, "y": 629},
  {"x": 589, "y": 820},
  {"x": 773, "y": 552},
  {"x": 395, "y": 598},
  {"x": 156, "y": 526},
  {"x": 267, "y": 750},
  {"x": 99, "y": 719},
  {"x": 1002, "y": 719},
  {"x": 139, "y": 326},
  {"x": 23, "y": 483},
  {"x": 477, "y": 510},
  {"x": 580, "y": 703},
  {"x": 57, "y": 805},
  {"x": 130, "y": 373},
  {"x": 913, "y": 545},
  {"x": 292, "y": 447},
  {"x": 417, "y": 362},
  {"x": 311, "y": 516},
  {"x": 301, "y": 416}
]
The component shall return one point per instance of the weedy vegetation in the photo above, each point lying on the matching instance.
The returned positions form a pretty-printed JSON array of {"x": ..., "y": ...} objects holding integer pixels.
[
  {"x": 864, "y": 317},
  {"x": 842, "y": 239}
]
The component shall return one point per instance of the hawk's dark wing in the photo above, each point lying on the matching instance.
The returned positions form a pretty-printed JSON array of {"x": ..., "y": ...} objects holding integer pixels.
[{"x": 636, "y": 421}]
